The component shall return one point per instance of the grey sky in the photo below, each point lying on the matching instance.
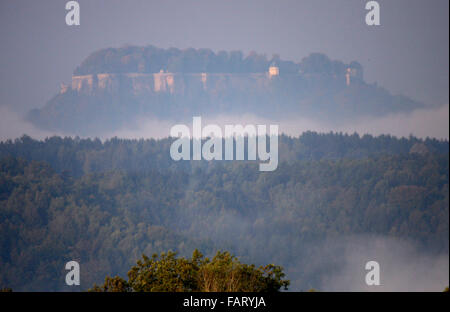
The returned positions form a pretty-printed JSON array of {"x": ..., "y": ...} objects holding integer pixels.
[{"x": 408, "y": 54}]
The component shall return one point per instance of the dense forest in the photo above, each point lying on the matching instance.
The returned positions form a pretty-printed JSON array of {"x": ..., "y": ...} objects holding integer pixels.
[{"x": 105, "y": 204}]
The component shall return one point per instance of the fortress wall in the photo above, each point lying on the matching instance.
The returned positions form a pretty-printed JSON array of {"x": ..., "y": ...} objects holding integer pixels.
[
  {"x": 162, "y": 82},
  {"x": 235, "y": 81},
  {"x": 141, "y": 83},
  {"x": 82, "y": 83},
  {"x": 170, "y": 82},
  {"x": 108, "y": 82}
]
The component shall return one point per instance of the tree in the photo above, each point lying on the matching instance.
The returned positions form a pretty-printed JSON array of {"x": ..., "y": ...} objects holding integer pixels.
[{"x": 224, "y": 273}]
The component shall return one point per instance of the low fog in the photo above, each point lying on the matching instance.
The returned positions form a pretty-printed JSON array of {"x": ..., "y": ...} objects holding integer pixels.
[
  {"x": 403, "y": 267},
  {"x": 13, "y": 125},
  {"x": 422, "y": 123}
]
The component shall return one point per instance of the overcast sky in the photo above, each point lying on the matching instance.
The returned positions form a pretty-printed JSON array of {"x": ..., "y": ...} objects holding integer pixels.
[{"x": 408, "y": 54}]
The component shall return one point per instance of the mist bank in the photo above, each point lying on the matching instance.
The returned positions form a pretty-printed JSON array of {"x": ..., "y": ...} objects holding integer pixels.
[
  {"x": 13, "y": 125},
  {"x": 421, "y": 123},
  {"x": 404, "y": 266}
]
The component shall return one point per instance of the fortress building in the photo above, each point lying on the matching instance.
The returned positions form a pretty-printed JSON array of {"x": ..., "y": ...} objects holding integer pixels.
[{"x": 274, "y": 71}]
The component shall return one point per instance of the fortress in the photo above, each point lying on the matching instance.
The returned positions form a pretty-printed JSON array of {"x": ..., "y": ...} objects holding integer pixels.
[
  {"x": 166, "y": 82},
  {"x": 177, "y": 83}
]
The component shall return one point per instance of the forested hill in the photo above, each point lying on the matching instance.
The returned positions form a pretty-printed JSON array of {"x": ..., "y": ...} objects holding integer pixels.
[
  {"x": 114, "y": 87},
  {"x": 104, "y": 204}
]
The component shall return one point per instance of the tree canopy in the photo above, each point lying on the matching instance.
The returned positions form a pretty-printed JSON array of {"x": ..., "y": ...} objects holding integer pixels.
[{"x": 222, "y": 273}]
